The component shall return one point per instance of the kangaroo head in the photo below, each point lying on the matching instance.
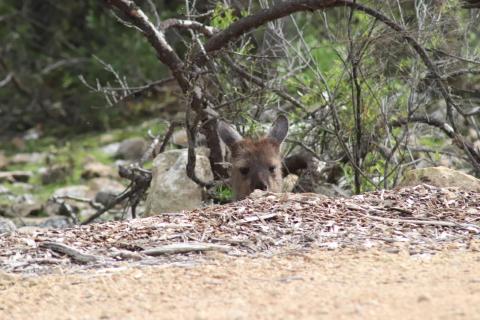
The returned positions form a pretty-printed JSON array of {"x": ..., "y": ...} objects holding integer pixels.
[{"x": 256, "y": 163}]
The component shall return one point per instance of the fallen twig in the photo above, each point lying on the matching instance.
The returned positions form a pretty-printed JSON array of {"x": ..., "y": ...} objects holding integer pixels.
[
  {"x": 69, "y": 251},
  {"x": 184, "y": 248},
  {"x": 256, "y": 218},
  {"x": 467, "y": 226}
]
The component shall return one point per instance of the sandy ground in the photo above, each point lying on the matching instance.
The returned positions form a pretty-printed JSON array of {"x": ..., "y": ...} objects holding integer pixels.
[{"x": 314, "y": 285}]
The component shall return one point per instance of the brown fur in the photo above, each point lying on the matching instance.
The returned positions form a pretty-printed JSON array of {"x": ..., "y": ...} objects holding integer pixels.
[{"x": 263, "y": 161}]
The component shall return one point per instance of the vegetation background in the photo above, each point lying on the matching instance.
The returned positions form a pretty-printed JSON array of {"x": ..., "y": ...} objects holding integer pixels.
[{"x": 366, "y": 98}]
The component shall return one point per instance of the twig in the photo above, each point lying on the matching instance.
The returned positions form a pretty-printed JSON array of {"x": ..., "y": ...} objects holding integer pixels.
[
  {"x": 470, "y": 227},
  {"x": 184, "y": 248},
  {"x": 69, "y": 251},
  {"x": 256, "y": 218}
]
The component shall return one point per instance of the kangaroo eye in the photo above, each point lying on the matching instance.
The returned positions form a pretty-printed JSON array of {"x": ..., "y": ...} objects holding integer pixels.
[
  {"x": 271, "y": 169},
  {"x": 244, "y": 171}
]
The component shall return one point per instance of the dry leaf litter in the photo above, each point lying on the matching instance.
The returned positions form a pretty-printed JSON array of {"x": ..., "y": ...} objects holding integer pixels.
[{"x": 421, "y": 220}]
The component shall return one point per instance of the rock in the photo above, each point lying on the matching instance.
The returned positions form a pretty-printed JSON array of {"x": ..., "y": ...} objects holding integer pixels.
[
  {"x": 105, "y": 197},
  {"x": 22, "y": 158},
  {"x": 106, "y": 189},
  {"x": 6, "y": 225},
  {"x": 441, "y": 177},
  {"x": 105, "y": 184},
  {"x": 52, "y": 208},
  {"x": 78, "y": 191},
  {"x": 289, "y": 182},
  {"x": 20, "y": 206},
  {"x": 3, "y": 160},
  {"x": 15, "y": 176},
  {"x": 55, "y": 222},
  {"x": 97, "y": 169},
  {"x": 180, "y": 138},
  {"x": 132, "y": 149},
  {"x": 23, "y": 186},
  {"x": 111, "y": 149},
  {"x": 171, "y": 190},
  {"x": 55, "y": 174}
]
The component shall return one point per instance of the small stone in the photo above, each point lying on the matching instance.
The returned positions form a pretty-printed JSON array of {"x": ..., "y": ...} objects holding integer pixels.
[{"x": 423, "y": 298}]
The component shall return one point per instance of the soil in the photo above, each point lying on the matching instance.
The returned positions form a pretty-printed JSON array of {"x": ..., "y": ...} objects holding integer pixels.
[{"x": 340, "y": 284}]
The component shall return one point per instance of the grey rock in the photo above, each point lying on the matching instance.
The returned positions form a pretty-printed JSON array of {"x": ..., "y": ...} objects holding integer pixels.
[
  {"x": 105, "y": 197},
  {"x": 105, "y": 189},
  {"x": 96, "y": 170},
  {"x": 111, "y": 149},
  {"x": 15, "y": 176},
  {"x": 180, "y": 139},
  {"x": 441, "y": 177},
  {"x": 79, "y": 191},
  {"x": 22, "y": 158},
  {"x": 20, "y": 206},
  {"x": 171, "y": 190},
  {"x": 6, "y": 225},
  {"x": 132, "y": 149},
  {"x": 55, "y": 174},
  {"x": 55, "y": 222},
  {"x": 105, "y": 184}
]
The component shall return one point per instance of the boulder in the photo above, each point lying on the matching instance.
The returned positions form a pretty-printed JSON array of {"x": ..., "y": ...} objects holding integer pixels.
[
  {"x": 20, "y": 206},
  {"x": 22, "y": 158},
  {"x": 54, "y": 222},
  {"x": 180, "y": 138},
  {"x": 15, "y": 176},
  {"x": 171, "y": 190},
  {"x": 105, "y": 189},
  {"x": 111, "y": 149},
  {"x": 55, "y": 174},
  {"x": 132, "y": 149},
  {"x": 78, "y": 191},
  {"x": 96, "y": 170},
  {"x": 441, "y": 177},
  {"x": 6, "y": 225}
]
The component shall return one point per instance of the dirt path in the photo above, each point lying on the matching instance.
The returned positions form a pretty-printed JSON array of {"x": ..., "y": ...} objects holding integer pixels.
[{"x": 317, "y": 285}]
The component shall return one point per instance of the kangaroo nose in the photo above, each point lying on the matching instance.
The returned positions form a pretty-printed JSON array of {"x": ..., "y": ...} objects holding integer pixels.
[{"x": 261, "y": 186}]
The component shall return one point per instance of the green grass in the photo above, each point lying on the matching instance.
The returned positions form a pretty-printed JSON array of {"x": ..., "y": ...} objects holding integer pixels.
[{"x": 73, "y": 150}]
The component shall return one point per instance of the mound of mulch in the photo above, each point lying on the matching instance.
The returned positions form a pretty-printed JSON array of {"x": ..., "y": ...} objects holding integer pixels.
[{"x": 421, "y": 219}]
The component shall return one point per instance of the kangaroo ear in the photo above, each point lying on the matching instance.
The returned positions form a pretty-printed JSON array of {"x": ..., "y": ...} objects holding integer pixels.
[
  {"x": 279, "y": 129},
  {"x": 228, "y": 134}
]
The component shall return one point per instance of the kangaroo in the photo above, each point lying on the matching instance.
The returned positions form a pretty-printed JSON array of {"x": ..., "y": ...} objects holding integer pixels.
[{"x": 256, "y": 163}]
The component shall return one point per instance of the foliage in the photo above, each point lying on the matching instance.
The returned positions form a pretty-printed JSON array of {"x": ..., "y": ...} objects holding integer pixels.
[{"x": 47, "y": 45}]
